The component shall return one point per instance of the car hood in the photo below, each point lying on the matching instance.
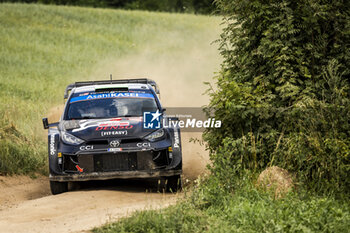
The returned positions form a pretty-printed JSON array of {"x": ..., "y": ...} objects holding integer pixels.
[{"x": 126, "y": 127}]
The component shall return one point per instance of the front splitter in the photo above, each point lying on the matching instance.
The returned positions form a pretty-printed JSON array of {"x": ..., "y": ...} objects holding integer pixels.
[{"x": 114, "y": 175}]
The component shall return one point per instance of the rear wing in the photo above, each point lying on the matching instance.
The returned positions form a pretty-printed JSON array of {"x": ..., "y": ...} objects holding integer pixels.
[{"x": 119, "y": 81}]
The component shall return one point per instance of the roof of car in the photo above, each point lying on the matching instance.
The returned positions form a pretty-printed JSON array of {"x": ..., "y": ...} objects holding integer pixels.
[
  {"x": 121, "y": 83},
  {"x": 133, "y": 86}
]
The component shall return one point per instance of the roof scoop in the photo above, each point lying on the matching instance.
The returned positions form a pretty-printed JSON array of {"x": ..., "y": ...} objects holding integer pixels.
[
  {"x": 110, "y": 89},
  {"x": 106, "y": 82}
]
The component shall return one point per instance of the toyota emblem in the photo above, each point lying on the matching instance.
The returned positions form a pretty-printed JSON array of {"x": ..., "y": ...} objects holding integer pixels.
[{"x": 114, "y": 143}]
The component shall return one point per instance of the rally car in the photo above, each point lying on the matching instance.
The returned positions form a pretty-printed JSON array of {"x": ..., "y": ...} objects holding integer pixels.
[{"x": 113, "y": 129}]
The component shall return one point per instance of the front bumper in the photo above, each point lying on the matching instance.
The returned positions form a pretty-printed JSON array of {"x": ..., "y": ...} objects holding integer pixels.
[
  {"x": 114, "y": 175},
  {"x": 127, "y": 164}
]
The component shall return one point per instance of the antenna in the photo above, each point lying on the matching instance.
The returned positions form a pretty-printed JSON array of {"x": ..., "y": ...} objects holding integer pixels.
[{"x": 110, "y": 77}]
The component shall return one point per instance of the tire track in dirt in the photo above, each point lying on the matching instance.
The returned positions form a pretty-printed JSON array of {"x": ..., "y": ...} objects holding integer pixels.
[
  {"x": 17, "y": 189},
  {"x": 81, "y": 210}
]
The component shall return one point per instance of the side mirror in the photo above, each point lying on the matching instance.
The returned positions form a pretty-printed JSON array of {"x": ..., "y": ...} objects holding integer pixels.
[
  {"x": 45, "y": 123},
  {"x": 163, "y": 110}
]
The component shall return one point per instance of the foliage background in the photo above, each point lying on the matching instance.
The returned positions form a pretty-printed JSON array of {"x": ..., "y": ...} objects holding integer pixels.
[{"x": 283, "y": 93}]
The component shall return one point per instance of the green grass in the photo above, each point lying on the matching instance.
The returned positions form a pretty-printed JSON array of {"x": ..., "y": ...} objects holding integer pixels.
[
  {"x": 245, "y": 211},
  {"x": 44, "y": 48}
]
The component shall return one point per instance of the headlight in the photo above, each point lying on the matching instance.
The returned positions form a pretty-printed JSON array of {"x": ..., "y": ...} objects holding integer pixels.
[
  {"x": 70, "y": 139},
  {"x": 155, "y": 135}
]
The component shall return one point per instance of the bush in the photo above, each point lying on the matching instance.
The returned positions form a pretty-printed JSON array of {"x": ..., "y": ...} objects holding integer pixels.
[{"x": 283, "y": 92}]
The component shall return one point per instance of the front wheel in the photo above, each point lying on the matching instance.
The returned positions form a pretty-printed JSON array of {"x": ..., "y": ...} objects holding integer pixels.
[{"x": 58, "y": 187}]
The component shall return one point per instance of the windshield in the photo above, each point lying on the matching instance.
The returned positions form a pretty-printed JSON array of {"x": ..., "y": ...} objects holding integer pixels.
[{"x": 110, "y": 108}]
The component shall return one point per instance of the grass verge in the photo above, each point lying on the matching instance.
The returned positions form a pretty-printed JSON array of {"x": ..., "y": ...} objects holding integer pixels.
[{"x": 248, "y": 210}]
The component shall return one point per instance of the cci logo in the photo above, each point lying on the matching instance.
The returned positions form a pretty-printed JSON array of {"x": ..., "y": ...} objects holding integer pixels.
[{"x": 151, "y": 120}]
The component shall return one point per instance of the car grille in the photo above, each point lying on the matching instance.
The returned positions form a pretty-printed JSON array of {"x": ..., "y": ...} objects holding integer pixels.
[
  {"x": 121, "y": 161},
  {"x": 106, "y": 142},
  {"x": 114, "y": 162}
]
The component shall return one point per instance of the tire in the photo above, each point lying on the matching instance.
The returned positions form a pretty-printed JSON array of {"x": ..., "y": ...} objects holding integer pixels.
[
  {"x": 173, "y": 184},
  {"x": 58, "y": 187}
]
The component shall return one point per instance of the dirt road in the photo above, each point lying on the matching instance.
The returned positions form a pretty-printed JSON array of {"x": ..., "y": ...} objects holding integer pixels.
[
  {"x": 91, "y": 206},
  {"x": 26, "y": 204}
]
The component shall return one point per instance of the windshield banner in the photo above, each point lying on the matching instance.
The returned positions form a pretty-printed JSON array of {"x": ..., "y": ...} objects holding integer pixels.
[{"x": 111, "y": 95}]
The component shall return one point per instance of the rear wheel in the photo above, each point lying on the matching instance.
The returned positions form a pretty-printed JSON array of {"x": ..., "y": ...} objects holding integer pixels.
[
  {"x": 58, "y": 187},
  {"x": 173, "y": 183}
]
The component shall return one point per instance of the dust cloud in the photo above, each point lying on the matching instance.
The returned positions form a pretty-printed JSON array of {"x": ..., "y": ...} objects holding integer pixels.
[{"x": 180, "y": 76}]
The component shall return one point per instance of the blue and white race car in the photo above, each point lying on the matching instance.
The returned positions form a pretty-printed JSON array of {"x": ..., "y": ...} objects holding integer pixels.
[{"x": 113, "y": 129}]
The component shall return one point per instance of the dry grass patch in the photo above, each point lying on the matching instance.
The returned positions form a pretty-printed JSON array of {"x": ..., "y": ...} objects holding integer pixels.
[{"x": 276, "y": 180}]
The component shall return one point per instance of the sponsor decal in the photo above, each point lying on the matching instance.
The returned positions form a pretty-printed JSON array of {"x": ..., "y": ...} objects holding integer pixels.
[
  {"x": 111, "y": 95},
  {"x": 151, "y": 120},
  {"x": 143, "y": 144},
  {"x": 90, "y": 147},
  {"x": 52, "y": 145},
  {"x": 176, "y": 139},
  {"x": 114, "y": 127},
  {"x": 114, "y": 143},
  {"x": 112, "y": 133},
  {"x": 114, "y": 149},
  {"x": 114, "y": 122}
]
